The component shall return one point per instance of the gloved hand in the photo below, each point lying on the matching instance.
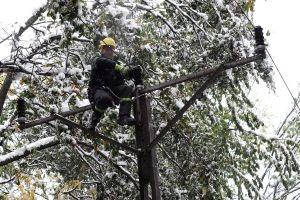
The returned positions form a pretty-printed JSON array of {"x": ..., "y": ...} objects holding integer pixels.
[{"x": 136, "y": 73}]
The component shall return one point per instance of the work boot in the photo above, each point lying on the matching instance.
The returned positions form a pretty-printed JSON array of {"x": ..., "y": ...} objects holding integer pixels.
[
  {"x": 126, "y": 120},
  {"x": 96, "y": 116}
]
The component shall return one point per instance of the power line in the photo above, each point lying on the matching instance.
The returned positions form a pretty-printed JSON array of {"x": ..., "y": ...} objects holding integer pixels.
[
  {"x": 273, "y": 61},
  {"x": 286, "y": 85}
]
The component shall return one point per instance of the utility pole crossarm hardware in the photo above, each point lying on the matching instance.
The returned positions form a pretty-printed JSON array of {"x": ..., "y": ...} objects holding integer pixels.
[
  {"x": 200, "y": 74},
  {"x": 199, "y": 94},
  {"x": 178, "y": 116}
]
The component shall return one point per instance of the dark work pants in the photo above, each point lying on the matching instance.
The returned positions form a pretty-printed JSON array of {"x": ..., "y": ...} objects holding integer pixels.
[{"x": 104, "y": 98}]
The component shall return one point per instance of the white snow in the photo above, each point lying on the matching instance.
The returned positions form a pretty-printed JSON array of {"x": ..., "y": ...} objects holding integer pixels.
[
  {"x": 54, "y": 89},
  {"x": 177, "y": 66},
  {"x": 110, "y": 174},
  {"x": 122, "y": 163},
  {"x": 174, "y": 91},
  {"x": 29, "y": 147},
  {"x": 61, "y": 76},
  {"x": 79, "y": 4},
  {"x": 53, "y": 108},
  {"x": 106, "y": 153},
  {"x": 65, "y": 106},
  {"x": 220, "y": 3},
  {"x": 80, "y": 103},
  {"x": 147, "y": 47},
  {"x": 5, "y": 125},
  {"x": 229, "y": 73},
  {"x": 118, "y": 11},
  {"x": 179, "y": 104},
  {"x": 74, "y": 71}
]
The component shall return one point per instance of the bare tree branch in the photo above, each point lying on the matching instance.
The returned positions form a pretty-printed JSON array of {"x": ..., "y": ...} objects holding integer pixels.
[
  {"x": 5, "y": 88},
  {"x": 30, "y": 21},
  {"x": 10, "y": 77},
  {"x": 7, "y": 181},
  {"x": 5, "y": 38}
]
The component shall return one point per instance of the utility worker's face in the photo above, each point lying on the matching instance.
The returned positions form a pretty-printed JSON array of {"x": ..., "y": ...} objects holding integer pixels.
[{"x": 108, "y": 51}]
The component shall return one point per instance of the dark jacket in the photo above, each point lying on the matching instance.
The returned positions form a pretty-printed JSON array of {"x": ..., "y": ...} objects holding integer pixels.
[{"x": 104, "y": 73}]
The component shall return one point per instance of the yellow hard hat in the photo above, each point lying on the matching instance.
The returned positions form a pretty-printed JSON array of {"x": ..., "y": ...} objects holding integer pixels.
[{"x": 107, "y": 41}]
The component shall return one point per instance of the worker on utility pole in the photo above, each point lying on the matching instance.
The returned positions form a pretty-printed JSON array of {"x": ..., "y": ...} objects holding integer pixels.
[{"x": 107, "y": 86}]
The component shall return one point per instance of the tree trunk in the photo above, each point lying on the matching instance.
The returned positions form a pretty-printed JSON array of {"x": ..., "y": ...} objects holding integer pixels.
[{"x": 5, "y": 88}]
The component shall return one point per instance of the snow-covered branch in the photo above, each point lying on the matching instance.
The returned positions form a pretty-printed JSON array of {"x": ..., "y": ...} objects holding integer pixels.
[
  {"x": 82, "y": 156},
  {"x": 47, "y": 71},
  {"x": 7, "y": 181},
  {"x": 30, "y": 21},
  {"x": 6, "y": 124},
  {"x": 28, "y": 149},
  {"x": 187, "y": 16},
  {"x": 153, "y": 12},
  {"x": 247, "y": 180},
  {"x": 11, "y": 76},
  {"x": 118, "y": 167},
  {"x": 3, "y": 40}
]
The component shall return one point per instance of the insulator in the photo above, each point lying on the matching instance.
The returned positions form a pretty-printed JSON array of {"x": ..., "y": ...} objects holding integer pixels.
[
  {"x": 21, "y": 111},
  {"x": 260, "y": 48},
  {"x": 259, "y": 36}
]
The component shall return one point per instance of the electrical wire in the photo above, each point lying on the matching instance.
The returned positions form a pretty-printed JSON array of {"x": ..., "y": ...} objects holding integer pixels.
[{"x": 270, "y": 56}]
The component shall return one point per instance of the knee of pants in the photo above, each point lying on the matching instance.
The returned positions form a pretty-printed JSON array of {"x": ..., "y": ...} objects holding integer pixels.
[{"x": 104, "y": 102}]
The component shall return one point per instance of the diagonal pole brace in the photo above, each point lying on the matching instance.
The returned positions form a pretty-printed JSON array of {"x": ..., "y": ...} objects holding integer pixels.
[
  {"x": 94, "y": 133},
  {"x": 178, "y": 116},
  {"x": 199, "y": 94}
]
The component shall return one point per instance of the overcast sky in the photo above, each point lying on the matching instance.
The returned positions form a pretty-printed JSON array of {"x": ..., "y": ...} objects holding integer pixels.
[{"x": 281, "y": 18}]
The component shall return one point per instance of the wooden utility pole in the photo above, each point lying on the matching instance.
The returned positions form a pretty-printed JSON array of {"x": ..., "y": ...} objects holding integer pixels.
[{"x": 147, "y": 159}]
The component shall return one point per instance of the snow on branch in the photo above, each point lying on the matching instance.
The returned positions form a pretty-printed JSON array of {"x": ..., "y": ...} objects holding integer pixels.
[
  {"x": 6, "y": 124},
  {"x": 117, "y": 166},
  {"x": 7, "y": 181},
  {"x": 153, "y": 12},
  {"x": 255, "y": 189},
  {"x": 177, "y": 6},
  {"x": 9, "y": 78},
  {"x": 28, "y": 149},
  {"x": 30, "y": 21},
  {"x": 47, "y": 71}
]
